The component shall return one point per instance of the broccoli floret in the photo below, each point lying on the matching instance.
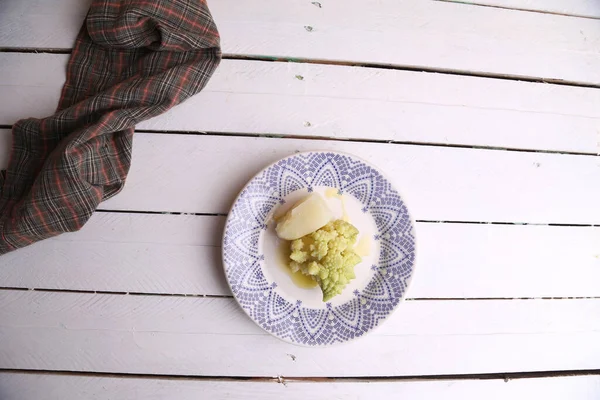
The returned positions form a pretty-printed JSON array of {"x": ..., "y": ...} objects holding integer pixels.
[{"x": 327, "y": 256}]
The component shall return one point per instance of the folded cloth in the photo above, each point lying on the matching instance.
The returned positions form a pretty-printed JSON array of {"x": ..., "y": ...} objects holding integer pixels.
[{"x": 132, "y": 60}]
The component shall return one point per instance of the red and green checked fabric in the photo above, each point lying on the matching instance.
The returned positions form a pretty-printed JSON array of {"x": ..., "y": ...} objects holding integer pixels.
[{"x": 132, "y": 61}]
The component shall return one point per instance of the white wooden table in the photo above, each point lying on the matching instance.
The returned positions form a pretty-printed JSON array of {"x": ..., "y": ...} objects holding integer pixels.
[{"x": 486, "y": 116}]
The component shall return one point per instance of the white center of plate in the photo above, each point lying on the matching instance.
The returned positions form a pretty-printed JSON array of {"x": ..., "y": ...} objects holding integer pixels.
[{"x": 275, "y": 268}]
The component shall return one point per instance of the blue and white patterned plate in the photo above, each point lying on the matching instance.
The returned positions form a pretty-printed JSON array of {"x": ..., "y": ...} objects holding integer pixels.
[{"x": 268, "y": 295}]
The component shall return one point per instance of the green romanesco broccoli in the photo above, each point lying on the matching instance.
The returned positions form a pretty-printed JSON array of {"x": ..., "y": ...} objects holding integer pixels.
[{"x": 327, "y": 256}]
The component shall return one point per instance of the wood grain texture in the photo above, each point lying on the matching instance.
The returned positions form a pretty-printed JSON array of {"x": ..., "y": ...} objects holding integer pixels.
[
  {"x": 345, "y": 102},
  {"x": 419, "y": 34},
  {"x": 126, "y": 253},
  {"x": 20, "y": 386},
  {"x": 181, "y": 254},
  {"x": 39, "y": 23},
  {"x": 196, "y": 336},
  {"x": 438, "y": 183},
  {"x": 171, "y": 172},
  {"x": 576, "y": 8}
]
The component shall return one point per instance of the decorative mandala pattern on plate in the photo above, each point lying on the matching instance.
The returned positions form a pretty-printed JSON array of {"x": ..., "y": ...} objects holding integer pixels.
[{"x": 243, "y": 260}]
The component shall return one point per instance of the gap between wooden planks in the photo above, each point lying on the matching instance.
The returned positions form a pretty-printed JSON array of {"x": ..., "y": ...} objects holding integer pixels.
[
  {"x": 181, "y": 255},
  {"x": 345, "y": 102},
  {"x": 426, "y": 34},
  {"x": 18, "y": 386},
  {"x": 571, "y": 8}
]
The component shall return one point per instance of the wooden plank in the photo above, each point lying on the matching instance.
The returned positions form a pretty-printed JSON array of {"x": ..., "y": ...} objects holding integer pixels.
[
  {"x": 20, "y": 386},
  {"x": 438, "y": 183},
  {"x": 345, "y": 102},
  {"x": 177, "y": 336},
  {"x": 38, "y": 23},
  {"x": 529, "y": 260},
  {"x": 576, "y": 8},
  {"x": 126, "y": 253},
  {"x": 417, "y": 34},
  {"x": 472, "y": 183},
  {"x": 180, "y": 254}
]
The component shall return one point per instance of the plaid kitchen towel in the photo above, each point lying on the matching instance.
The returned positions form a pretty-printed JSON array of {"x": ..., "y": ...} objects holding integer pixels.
[{"x": 132, "y": 60}]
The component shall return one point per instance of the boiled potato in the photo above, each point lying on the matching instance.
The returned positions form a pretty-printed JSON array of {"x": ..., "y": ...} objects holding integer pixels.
[{"x": 305, "y": 217}]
